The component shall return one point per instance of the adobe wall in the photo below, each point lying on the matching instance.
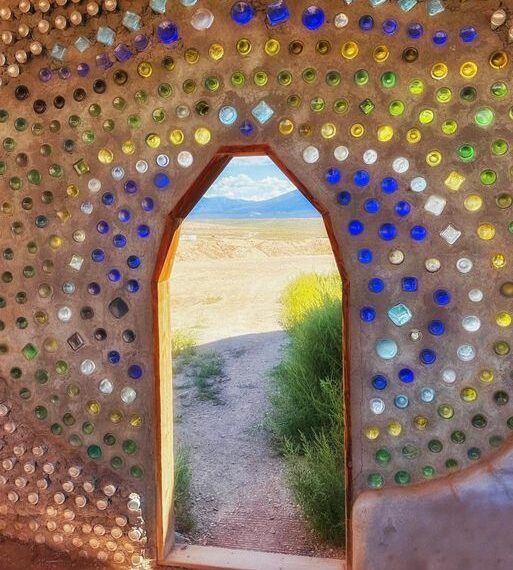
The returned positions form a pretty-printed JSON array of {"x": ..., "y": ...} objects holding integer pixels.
[{"x": 402, "y": 137}]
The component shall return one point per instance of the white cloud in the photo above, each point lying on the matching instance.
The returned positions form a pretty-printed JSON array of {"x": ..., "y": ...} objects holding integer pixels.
[
  {"x": 244, "y": 187},
  {"x": 245, "y": 161}
]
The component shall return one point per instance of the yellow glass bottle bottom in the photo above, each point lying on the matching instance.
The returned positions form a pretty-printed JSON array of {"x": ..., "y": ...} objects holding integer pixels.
[
  {"x": 202, "y": 136},
  {"x": 434, "y": 158},
  {"x": 357, "y": 130},
  {"x": 350, "y": 50},
  {"x": 486, "y": 231},
  {"x": 439, "y": 71},
  {"x": 473, "y": 202}
]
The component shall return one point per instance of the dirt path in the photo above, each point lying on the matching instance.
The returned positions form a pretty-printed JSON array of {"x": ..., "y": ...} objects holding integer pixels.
[{"x": 241, "y": 499}]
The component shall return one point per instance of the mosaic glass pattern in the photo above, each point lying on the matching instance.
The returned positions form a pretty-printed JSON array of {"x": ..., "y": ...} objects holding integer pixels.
[{"x": 396, "y": 116}]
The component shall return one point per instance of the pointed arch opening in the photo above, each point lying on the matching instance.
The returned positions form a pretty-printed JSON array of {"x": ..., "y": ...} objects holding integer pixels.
[{"x": 168, "y": 553}]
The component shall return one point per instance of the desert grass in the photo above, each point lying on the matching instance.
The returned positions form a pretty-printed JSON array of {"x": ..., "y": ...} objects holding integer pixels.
[
  {"x": 306, "y": 417},
  {"x": 207, "y": 372},
  {"x": 315, "y": 476},
  {"x": 184, "y": 518},
  {"x": 213, "y": 299},
  {"x": 183, "y": 349},
  {"x": 205, "y": 369},
  {"x": 183, "y": 342}
]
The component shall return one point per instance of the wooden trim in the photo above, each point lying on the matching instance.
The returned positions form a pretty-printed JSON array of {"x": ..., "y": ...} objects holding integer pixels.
[
  {"x": 162, "y": 353},
  {"x": 211, "y": 558},
  {"x": 345, "y": 384},
  {"x": 164, "y": 453}
]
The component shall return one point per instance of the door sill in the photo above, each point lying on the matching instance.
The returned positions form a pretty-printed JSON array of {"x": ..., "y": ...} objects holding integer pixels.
[{"x": 213, "y": 558}]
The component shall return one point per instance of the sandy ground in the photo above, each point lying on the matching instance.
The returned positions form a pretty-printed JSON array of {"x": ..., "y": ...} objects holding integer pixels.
[{"x": 232, "y": 303}]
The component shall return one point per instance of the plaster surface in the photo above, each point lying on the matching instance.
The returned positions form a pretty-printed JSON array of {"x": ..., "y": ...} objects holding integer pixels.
[{"x": 450, "y": 423}]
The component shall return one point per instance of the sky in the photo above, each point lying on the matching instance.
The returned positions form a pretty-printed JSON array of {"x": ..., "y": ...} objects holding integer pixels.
[{"x": 251, "y": 178}]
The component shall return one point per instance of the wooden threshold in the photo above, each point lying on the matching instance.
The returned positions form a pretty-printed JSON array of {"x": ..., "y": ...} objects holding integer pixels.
[{"x": 213, "y": 558}]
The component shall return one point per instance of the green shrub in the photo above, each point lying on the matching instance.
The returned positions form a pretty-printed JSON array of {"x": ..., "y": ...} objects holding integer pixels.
[
  {"x": 183, "y": 343},
  {"x": 307, "y": 292},
  {"x": 316, "y": 479},
  {"x": 307, "y": 382},
  {"x": 183, "y": 350},
  {"x": 184, "y": 519},
  {"x": 306, "y": 416}
]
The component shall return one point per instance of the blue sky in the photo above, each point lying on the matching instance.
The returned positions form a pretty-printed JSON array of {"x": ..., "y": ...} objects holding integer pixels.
[{"x": 251, "y": 178}]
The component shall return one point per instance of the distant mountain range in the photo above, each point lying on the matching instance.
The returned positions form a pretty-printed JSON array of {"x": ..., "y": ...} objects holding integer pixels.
[{"x": 290, "y": 205}]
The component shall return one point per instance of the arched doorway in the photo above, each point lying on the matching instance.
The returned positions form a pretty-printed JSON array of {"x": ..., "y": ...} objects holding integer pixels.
[{"x": 196, "y": 557}]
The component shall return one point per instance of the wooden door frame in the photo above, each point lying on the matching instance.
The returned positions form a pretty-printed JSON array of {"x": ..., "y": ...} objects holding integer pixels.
[{"x": 161, "y": 303}]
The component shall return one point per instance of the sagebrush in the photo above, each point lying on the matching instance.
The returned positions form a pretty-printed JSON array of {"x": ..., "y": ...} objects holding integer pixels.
[
  {"x": 306, "y": 415},
  {"x": 309, "y": 291}
]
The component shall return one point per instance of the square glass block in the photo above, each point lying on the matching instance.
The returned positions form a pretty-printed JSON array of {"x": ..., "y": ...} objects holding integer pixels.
[
  {"x": 454, "y": 181},
  {"x": 132, "y": 21},
  {"x": 450, "y": 234},
  {"x": 158, "y": 6},
  {"x": 103, "y": 61},
  {"x": 375, "y": 3},
  {"x": 407, "y": 5},
  {"x": 105, "y": 35},
  {"x": 82, "y": 44},
  {"x": 400, "y": 315},
  {"x": 58, "y": 52},
  {"x": 29, "y": 351},
  {"x": 367, "y": 106},
  {"x": 435, "y": 7},
  {"x": 410, "y": 284},
  {"x": 435, "y": 205},
  {"x": 63, "y": 214},
  {"x": 76, "y": 262},
  {"x": 76, "y": 341},
  {"x": 81, "y": 167},
  {"x": 262, "y": 112},
  {"x": 118, "y": 308},
  {"x": 277, "y": 12},
  {"x": 122, "y": 52}
]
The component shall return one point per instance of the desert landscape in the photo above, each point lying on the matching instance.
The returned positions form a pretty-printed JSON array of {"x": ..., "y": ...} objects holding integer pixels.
[{"x": 226, "y": 284}]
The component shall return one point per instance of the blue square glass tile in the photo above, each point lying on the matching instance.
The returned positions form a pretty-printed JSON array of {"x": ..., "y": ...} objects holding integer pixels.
[
  {"x": 262, "y": 112},
  {"x": 122, "y": 52},
  {"x": 410, "y": 284},
  {"x": 82, "y": 44},
  {"x": 407, "y": 5},
  {"x": 400, "y": 315},
  {"x": 158, "y": 6},
  {"x": 103, "y": 61},
  {"x": 105, "y": 35},
  {"x": 132, "y": 21},
  {"x": 375, "y": 3},
  {"x": 277, "y": 12},
  {"x": 58, "y": 52},
  {"x": 435, "y": 7}
]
